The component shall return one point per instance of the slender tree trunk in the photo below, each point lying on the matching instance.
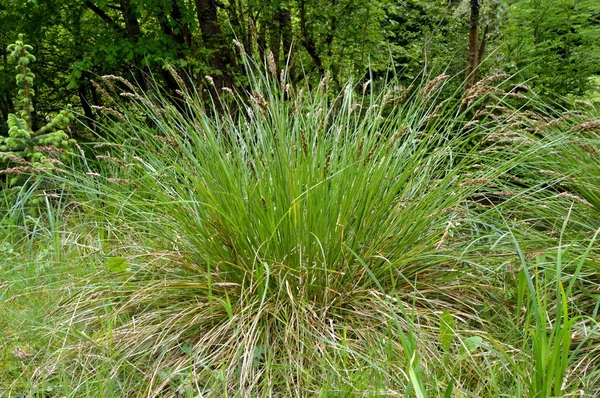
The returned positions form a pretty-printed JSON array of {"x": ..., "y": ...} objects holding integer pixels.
[
  {"x": 332, "y": 29},
  {"x": 182, "y": 39},
  {"x": 248, "y": 38},
  {"x": 234, "y": 17},
  {"x": 473, "y": 60},
  {"x": 181, "y": 35},
  {"x": 104, "y": 16},
  {"x": 95, "y": 98},
  {"x": 132, "y": 26},
  {"x": 261, "y": 40}
]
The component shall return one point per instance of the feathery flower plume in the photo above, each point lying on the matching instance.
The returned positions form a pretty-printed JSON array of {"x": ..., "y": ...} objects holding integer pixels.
[
  {"x": 119, "y": 79},
  {"x": 366, "y": 85},
  {"x": 239, "y": 46},
  {"x": 271, "y": 63},
  {"x": 113, "y": 112},
  {"x": 433, "y": 85},
  {"x": 101, "y": 90}
]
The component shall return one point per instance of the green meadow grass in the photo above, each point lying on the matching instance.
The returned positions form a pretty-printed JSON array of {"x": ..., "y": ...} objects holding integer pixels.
[{"x": 306, "y": 242}]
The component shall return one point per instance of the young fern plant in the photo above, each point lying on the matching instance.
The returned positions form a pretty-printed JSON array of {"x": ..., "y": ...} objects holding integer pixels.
[{"x": 26, "y": 150}]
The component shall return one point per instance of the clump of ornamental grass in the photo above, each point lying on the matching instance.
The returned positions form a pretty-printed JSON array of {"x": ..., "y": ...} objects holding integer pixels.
[
  {"x": 286, "y": 242},
  {"x": 291, "y": 242}
]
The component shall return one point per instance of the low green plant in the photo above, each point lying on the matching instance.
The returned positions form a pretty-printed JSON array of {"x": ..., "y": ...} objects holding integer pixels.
[{"x": 551, "y": 334}]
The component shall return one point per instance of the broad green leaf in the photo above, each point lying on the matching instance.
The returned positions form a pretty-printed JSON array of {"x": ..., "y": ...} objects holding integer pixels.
[
  {"x": 117, "y": 264},
  {"x": 447, "y": 330},
  {"x": 472, "y": 343}
]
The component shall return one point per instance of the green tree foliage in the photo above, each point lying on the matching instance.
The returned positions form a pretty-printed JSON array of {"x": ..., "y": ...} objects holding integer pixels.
[
  {"x": 555, "y": 42},
  {"x": 76, "y": 41},
  {"x": 426, "y": 35}
]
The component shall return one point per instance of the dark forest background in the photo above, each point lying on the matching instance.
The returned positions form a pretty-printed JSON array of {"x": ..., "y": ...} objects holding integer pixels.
[{"x": 553, "y": 45}]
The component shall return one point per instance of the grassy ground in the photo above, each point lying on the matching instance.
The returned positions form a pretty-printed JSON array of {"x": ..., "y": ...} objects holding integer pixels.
[{"x": 312, "y": 244}]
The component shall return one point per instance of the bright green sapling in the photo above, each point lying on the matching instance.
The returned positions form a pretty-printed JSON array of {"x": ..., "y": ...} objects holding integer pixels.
[{"x": 26, "y": 151}]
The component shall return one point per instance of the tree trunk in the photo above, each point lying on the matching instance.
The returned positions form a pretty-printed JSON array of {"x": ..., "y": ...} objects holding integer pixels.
[
  {"x": 104, "y": 16},
  {"x": 261, "y": 40},
  {"x": 181, "y": 36},
  {"x": 473, "y": 60},
  {"x": 273, "y": 29},
  {"x": 287, "y": 38},
  {"x": 332, "y": 29},
  {"x": 185, "y": 35},
  {"x": 214, "y": 41},
  {"x": 307, "y": 40},
  {"x": 85, "y": 104},
  {"x": 132, "y": 26},
  {"x": 7, "y": 105},
  {"x": 482, "y": 45}
]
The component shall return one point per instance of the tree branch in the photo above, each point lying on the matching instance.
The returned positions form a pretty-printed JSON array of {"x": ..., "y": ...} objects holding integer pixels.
[
  {"x": 118, "y": 8},
  {"x": 482, "y": 45},
  {"x": 104, "y": 16}
]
